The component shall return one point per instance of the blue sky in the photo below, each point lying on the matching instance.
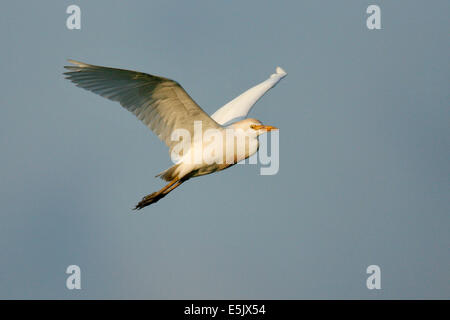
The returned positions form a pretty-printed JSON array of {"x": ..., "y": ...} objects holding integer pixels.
[{"x": 364, "y": 152}]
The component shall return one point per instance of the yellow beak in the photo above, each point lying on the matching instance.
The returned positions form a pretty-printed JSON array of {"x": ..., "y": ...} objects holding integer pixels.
[{"x": 263, "y": 127}]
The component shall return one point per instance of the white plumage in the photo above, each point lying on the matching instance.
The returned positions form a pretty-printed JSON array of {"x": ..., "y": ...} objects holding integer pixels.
[
  {"x": 166, "y": 108},
  {"x": 241, "y": 105}
]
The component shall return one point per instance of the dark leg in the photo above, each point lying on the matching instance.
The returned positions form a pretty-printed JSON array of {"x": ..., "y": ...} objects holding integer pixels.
[{"x": 156, "y": 196}]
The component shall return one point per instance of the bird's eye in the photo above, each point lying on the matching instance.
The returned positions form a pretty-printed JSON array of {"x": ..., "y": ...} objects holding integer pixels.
[{"x": 253, "y": 126}]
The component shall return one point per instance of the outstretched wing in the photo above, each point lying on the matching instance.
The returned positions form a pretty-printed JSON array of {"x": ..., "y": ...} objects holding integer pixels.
[
  {"x": 240, "y": 106},
  {"x": 160, "y": 103}
]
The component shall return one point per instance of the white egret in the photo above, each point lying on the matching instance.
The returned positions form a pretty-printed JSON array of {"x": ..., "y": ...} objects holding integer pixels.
[{"x": 164, "y": 107}]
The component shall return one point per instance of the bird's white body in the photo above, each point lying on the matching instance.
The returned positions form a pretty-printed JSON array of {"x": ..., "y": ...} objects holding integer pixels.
[{"x": 219, "y": 150}]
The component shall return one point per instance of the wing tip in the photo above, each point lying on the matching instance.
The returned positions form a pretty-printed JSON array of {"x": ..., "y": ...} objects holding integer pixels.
[
  {"x": 78, "y": 63},
  {"x": 280, "y": 71}
]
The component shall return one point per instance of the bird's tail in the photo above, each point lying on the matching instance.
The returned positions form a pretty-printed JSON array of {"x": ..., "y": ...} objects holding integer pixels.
[
  {"x": 169, "y": 174},
  {"x": 156, "y": 196}
]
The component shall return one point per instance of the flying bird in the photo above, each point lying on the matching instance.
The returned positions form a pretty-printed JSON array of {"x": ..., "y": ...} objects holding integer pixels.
[{"x": 166, "y": 108}]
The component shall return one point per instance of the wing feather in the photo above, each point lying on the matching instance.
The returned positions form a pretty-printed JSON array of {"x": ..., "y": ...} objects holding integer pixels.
[
  {"x": 160, "y": 103},
  {"x": 241, "y": 105}
]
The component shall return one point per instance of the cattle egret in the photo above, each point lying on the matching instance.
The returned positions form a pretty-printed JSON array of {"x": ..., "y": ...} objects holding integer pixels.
[{"x": 166, "y": 108}]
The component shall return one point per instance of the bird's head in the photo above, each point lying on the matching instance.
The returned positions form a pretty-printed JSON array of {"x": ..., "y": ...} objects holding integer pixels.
[{"x": 252, "y": 126}]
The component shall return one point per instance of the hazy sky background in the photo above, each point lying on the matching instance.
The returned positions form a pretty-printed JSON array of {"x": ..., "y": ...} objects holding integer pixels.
[{"x": 364, "y": 152}]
